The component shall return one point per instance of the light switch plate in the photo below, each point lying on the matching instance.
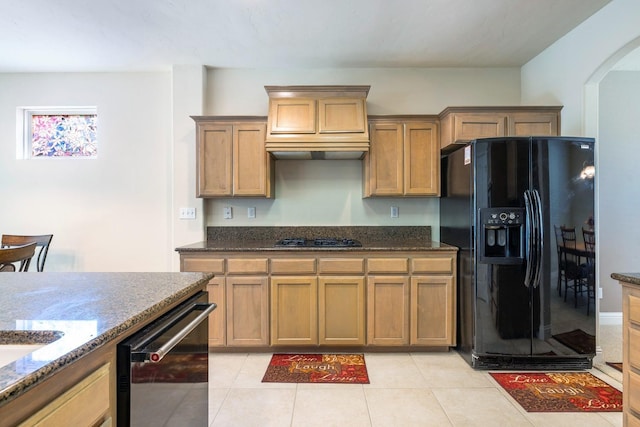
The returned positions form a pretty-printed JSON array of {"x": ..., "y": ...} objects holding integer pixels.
[
  {"x": 187, "y": 213},
  {"x": 227, "y": 212},
  {"x": 251, "y": 212}
]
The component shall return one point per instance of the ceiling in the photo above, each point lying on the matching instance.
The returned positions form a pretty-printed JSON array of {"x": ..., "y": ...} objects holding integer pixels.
[{"x": 141, "y": 35}]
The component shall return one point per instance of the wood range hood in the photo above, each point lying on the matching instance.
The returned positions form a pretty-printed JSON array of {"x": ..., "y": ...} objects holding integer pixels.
[{"x": 317, "y": 122}]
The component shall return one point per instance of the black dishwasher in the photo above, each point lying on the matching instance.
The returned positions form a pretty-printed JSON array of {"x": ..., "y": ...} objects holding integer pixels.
[{"x": 163, "y": 370}]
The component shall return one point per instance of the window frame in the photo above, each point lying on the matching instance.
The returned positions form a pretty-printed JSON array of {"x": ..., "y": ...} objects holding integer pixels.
[{"x": 25, "y": 141}]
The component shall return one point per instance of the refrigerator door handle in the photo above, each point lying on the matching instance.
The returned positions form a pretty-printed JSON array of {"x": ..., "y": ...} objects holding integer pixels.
[
  {"x": 529, "y": 238},
  {"x": 537, "y": 203}
]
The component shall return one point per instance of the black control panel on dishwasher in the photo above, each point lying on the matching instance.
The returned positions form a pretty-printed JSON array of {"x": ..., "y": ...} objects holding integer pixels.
[{"x": 502, "y": 235}]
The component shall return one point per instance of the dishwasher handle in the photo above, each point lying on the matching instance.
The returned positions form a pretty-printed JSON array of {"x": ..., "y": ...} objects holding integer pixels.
[{"x": 156, "y": 356}]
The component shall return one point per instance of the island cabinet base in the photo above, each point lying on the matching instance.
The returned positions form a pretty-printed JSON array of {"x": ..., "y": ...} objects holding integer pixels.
[
  {"x": 275, "y": 300},
  {"x": 83, "y": 393},
  {"x": 631, "y": 353}
]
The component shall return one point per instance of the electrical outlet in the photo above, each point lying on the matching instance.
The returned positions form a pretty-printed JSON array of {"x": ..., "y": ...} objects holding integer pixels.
[
  {"x": 227, "y": 212},
  {"x": 394, "y": 212},
  {"x": 187, "y": 213},
  {"x": 251, "y": 212}
]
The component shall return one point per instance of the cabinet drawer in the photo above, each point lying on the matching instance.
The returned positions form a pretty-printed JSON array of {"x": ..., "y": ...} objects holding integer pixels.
[
  {"x": 432, "y": 265},
  {"x": 293, "y": 266},
  {"x": 208, "y": 265},
  {"x": 634, "y": 309},
  {"x": 247, "y": 265},
  {"x": 340, "y": 265},
  {"x": 388, "y": 265}
]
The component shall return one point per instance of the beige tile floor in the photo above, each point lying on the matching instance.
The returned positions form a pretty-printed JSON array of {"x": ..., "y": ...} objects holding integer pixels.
[{"x": 406, "y": 389}]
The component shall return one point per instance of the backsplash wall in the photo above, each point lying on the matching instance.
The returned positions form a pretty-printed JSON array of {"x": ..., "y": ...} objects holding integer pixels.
[{"x": 323, "y": 193}]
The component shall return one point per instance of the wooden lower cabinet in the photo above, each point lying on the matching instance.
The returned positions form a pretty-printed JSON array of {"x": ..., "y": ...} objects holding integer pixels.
[
  {"x": 341, "y": 310},
  {"x": 432, "y": 315},
  {"x": 294, "y": 310},
  {"x": 247, "y": 311},
  {"x": 320, "y": 299},
  {"x": 309, "y": 310},
  {"x": 217, "y": 323},
  {"x": 388, "y": 310}
]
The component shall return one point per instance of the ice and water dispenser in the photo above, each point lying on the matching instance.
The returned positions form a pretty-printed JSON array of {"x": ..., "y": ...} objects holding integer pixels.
[{"x": 502, "y": 235}]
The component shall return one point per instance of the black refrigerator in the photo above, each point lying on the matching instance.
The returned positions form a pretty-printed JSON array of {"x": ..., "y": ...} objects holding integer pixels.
[{"x": 501, "y": 198}]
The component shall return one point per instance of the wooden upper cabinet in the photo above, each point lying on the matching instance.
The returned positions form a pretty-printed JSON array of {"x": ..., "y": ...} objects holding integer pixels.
[
  {"x": 310, "y": 117},
  {"x": 214, "y": 160},
  {"x": 251, "y": 165},
  {"x": 472, "y": 126},
  {"x": 292, "y": 115},
  {"x": 231, "y": 158},
  {"x": 463, "y": 124},
  {"x": 403, "y": 159},
  {"x": 342, "y": 115},
  {"x": 539, "y": 124},
  {"x": 385, "y": 160},
  {"x": 421, "y": 159}
]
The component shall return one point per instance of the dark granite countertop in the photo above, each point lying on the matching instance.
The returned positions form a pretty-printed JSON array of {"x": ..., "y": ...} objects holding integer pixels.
[
  {"x": 86, "y": 310},
  {"x": 248, "y": 239},
  {"x": 633, "y": 278}
]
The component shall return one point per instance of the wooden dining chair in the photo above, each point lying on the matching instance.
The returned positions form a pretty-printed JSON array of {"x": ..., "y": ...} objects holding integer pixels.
[
  {"x": 42, "y": 242},
  {"x": 561, "y": 264},
  {"x": 589, "y": 237},
  {"x": 575, "y": 272},
  {"x": 9, "y": 257}
]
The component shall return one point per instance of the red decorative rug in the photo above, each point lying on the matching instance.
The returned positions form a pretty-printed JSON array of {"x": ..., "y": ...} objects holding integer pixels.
[
  {"x": 317, "y": 368},
  {"x": 560, "y": 392},
  {"x": 578, "y": 340}
]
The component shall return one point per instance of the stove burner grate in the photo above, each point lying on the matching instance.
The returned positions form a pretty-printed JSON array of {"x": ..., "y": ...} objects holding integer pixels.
[{"x": 323, "y": 242}]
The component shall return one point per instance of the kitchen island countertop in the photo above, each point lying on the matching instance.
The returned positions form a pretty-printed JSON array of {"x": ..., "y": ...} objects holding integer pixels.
[
  {"x": 87, "y": 310},
  {"x": 633, "y": 278}
]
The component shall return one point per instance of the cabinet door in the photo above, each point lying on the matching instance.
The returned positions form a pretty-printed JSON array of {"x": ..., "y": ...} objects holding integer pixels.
[
  {"x": 292, "y": 115},
  {"x": 251, "y": 168},
  {"x": 421, "y": 159},
  {"x": 86, "y": 403},
  {"x": 215, "y": 287},
  {"x": 432, "y": 310},
  {"x": 341, "y": 115},
  {"x": 388, "y": 310},
  {"x": 341, "y": 310},
  {"x": 539, "y": 124},
  {"x": 386, "y": 160},
  {"x": 479, "y": 125},
  {"x": 247, "y": 311},
  {"x": 214, "y": 160},
  {"x": 294, "y": 308}
]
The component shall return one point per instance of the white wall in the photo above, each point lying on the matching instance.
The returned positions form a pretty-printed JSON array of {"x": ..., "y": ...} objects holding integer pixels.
[
  {"x": 107, "y": 214},
  {"x": 564, "y": 74},
  {"x": 330, "y": 192},
  {"x": 619, "y": 128},
  {"x": 118, "y": 212}
]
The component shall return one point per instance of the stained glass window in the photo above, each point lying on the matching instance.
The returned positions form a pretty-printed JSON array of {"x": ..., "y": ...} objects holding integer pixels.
[{"x": 61, "y": 133}]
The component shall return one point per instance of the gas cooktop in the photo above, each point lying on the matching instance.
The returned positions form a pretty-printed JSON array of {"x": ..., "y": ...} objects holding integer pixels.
[{"x": 320, "y": 242}]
